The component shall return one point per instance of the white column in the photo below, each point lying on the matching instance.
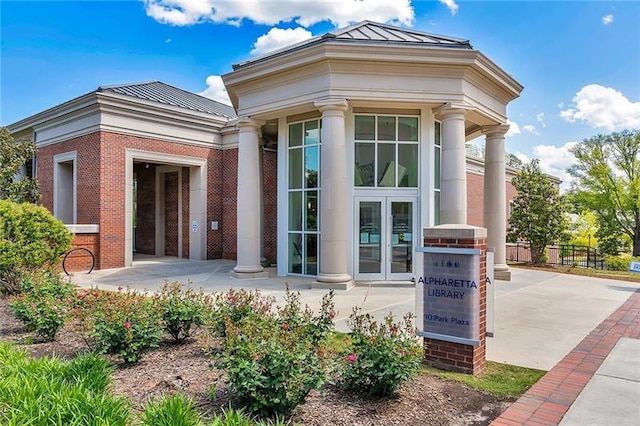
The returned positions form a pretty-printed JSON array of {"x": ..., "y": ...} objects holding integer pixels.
[
  {"x": 334, "y": 197},
  {"x": 453, "y": 167},
  {"x": 495, "y": 198},
  {"x": 249, "y": 201}
]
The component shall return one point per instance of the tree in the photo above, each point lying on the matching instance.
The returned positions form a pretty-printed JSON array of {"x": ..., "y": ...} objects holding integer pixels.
[
  {"x": 539, "y": 214},
  {"x": 512, "y": 161},
  {"x": 607, "y": 173},
  {"x": 13, "y": 155}
]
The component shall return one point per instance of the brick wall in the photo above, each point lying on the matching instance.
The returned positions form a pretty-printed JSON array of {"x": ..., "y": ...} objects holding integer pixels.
[
  {"x": 185, "y": 213},
  {"x": 270, "y": 201},
  {"x": 475, "y": 199},
  {"x": 80, "y": 260},
  {"x": 146, "y": 210},
  {"x": 171, "y": 214},
  {"x": 228, "y": 224}
]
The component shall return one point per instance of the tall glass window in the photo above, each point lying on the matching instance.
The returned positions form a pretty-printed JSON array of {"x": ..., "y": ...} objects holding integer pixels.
[
  {"x": 436, "y": 173},
  {"x": 386, "y": 151},
  {"x": 304, "y": 197}
]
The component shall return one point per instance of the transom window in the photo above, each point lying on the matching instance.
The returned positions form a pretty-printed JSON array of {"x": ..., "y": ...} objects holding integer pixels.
[
  {"x": 304, "y": 197},
  {"x": 386, "y": 151}
]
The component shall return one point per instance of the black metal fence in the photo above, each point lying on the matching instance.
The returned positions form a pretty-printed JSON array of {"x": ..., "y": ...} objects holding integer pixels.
[{"x": 561, "y": 254}]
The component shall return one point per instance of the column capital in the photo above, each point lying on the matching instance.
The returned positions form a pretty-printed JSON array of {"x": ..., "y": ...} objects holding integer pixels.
[
  {"x": 450, "y": 108},
  {"x": 247, "y": 123},
  {"x": 332, "y": 105},
  {"x": 497, "y": 131}
]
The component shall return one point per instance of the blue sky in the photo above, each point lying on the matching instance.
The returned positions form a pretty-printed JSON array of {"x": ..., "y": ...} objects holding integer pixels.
[{"x": 578, "y": 60}]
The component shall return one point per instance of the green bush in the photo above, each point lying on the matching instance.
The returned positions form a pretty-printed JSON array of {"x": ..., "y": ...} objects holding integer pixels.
[
  {"x": 45, "y": 303},
  {"x": 182, "y": 309},
  {"x": 619, "y": 263},
  {"x": 30, "y": 239},
  {"x": 50, "y": 391},
  {"x": 124, "y": 323},
  {"x": 382, "y": 356},
  {"x": 274, "y": 359}
]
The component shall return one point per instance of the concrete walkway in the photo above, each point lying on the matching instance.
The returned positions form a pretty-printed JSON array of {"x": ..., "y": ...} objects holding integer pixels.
[
  {"x": 585, "y": 331},
  {"x": 597, "y": 383}
]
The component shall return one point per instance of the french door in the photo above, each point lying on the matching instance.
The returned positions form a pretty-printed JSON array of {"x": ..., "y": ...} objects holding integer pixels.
[{"x": 385, "y": 238}]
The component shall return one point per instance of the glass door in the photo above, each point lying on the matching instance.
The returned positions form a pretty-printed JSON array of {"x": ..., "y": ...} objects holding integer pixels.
[
  {"x": 401, "y": 239},
  {"x": 385, "y": 237}
]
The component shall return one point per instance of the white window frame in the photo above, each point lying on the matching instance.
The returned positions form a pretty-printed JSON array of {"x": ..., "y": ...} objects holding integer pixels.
[{"x": 57, "y": 160}]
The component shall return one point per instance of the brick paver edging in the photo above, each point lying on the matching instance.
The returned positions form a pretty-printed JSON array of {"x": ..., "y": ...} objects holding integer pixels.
[{"x": 549, "y": 399}]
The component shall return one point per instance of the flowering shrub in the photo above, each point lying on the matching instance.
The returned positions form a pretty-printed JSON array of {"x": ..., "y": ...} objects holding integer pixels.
[
  {"x": 44, "y": 304},
  {"x": 124, "y": 323},
  {"x": 182, "y": 308},
  {"x": 274, "y": 359},
  {"x": 233, "y": 306},
  {"x": 381, "y": 356}
]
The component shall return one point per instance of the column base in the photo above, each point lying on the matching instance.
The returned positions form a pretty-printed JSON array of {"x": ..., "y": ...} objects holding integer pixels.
[
  {"x": 249, "y": 272},
  {"x": 502, "y": 272},
  {"x": 249, "y": 275},
  {"x": 333, "y": 282}
]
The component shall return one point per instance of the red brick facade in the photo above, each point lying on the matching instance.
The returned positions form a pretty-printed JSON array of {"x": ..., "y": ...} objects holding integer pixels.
[{"x": 475, "y": 199}]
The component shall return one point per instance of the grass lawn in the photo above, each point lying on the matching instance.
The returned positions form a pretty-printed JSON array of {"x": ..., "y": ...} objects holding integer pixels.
[{"x": 502, "y": 380}]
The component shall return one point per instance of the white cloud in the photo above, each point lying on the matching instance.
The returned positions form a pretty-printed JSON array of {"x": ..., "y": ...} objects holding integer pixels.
[
  {"x": 603, "y": 107},
  {"x": 540, "y": 119},
  {"x": 168, "y": 41},
  {"x": 302, "y": 12},
  {"x": 530, "y": 128},
  {"x": 278, "y": 37},
  {"x": 514, "y": 129},
  {"x": 451, "y": 5},
  {"x": 607, "y": 19},
  {"x": 215, "y": 90},
  {"x": 555, "y": 160}
]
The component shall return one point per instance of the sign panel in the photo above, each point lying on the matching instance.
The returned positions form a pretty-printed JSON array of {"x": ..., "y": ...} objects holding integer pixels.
[
  {"x": 451, "y": 295},
  {"x": 634, "y": 266}
]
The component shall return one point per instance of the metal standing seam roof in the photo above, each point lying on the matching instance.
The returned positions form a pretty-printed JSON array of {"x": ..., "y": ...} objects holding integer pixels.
[
  {"x": 157, "y": 91},
  {"x": 370, "y": 32}
]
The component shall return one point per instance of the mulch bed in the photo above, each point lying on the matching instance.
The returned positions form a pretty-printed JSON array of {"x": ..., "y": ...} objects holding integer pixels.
[{"x": 426, "y": 400}]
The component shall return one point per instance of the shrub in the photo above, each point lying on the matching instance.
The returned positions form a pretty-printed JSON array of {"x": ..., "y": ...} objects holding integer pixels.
[
  {"x": 619, "y": 263},
  {"x": 382, "y": 356},
  {"x": 30, "y": 239},
  {"x": 182, "y": 309},
  {"x": 124, "y": 323},
  {"x": 56, "y": 392},
  {"x": 234, "y": 306},
  {"x": 174, "y": 410},
  {"x": 44, "y": 305},
  {"x": 274, "y": 359}
]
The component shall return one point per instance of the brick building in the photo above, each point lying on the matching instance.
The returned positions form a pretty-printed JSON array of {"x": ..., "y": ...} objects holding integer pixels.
[{"x": 360, "y": 133}]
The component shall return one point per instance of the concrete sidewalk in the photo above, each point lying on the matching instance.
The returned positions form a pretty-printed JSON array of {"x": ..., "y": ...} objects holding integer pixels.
[{"x": 597, "y": 383}]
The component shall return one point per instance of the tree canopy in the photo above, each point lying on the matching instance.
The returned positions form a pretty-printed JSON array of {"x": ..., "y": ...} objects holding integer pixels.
[
  {"x": 13, "y": 155},
  {"x": 607, "y": 181},
  {"x": 539, "y": 214}
]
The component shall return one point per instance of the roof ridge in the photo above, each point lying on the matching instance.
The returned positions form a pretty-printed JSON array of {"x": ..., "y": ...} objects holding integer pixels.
[
  {"x": 115, "y": 86},
  {"x": 365, "y": 22}
]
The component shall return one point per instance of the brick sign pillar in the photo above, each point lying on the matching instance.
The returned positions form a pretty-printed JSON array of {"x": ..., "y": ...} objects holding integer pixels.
[{"x": 452, "y": 292}]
